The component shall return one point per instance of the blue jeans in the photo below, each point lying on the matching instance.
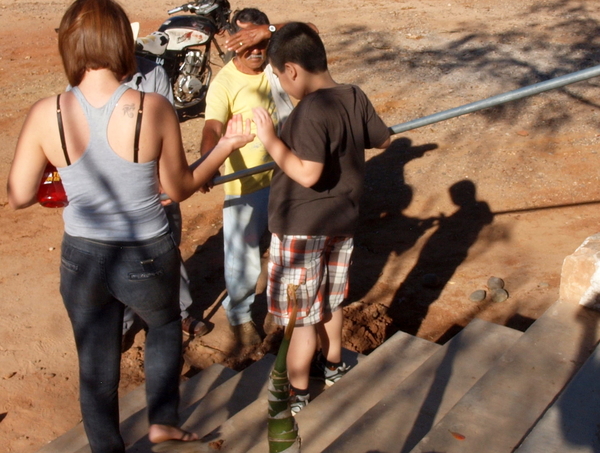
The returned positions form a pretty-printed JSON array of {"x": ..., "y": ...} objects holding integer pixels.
[
  {"x": 173, "y": 212},
  {"x": 245, "y": 221},
  {"x": 98, "y": 279}
]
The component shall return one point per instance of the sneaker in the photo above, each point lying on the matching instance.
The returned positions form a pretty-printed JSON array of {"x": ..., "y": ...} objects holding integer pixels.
[
  {"x": 320, "y": 370},
  {"x": 298, "y": 402},
  {"x": 246, "y": 334},
  {"x": 193, "y": 327}
]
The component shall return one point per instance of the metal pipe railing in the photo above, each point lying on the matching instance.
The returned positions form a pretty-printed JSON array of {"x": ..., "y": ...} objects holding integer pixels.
[{"x": 499, "y": 99}]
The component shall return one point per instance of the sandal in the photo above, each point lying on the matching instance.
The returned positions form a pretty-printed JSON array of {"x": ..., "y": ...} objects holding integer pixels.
[{"x": 193, "y": 327}]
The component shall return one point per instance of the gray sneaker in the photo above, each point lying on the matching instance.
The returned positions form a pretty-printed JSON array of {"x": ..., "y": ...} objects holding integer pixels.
[
  {"x": 320, "y": 370},
  {"x": 298, "y": 402}
]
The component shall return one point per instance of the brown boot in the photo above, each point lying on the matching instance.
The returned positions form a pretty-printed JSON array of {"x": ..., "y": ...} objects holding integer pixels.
[{"x": 246, "y": 334}]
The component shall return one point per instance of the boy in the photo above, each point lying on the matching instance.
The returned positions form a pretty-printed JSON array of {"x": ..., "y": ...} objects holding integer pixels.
[{"x": 313, "y": 205}]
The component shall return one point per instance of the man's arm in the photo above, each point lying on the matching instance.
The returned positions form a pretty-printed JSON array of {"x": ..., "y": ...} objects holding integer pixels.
[
  {"x": 212, "y": 132},
  {"x": 253, "y": 34}
]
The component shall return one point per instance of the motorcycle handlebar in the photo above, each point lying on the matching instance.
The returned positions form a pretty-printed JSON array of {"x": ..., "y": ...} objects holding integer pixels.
[
  {"x": 176, "y": 10},
  {"x": 205, "y": 7}
]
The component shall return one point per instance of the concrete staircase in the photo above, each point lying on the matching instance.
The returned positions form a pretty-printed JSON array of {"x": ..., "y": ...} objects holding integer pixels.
[{"x": 489, "y": 389}]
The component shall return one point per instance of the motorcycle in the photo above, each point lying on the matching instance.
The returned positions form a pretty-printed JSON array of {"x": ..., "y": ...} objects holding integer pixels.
[{"x": 182, "y": 45}]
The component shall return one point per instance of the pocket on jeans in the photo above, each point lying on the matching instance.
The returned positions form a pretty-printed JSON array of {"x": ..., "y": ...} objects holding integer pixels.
[
  {"x": 149, "y": 270},
  {"x": 69, "y": 265}
]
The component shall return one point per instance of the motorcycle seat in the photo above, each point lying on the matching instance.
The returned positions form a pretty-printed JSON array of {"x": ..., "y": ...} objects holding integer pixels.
[{"x": 155, "y": 43}]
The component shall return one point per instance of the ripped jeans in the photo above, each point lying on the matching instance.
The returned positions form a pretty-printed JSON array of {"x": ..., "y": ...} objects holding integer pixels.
[{"x": 97, "y": 280}]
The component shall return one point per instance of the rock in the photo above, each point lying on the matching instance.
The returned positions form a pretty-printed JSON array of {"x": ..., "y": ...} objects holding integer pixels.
[
  {"x": 478, "y": 296},
  {"x": 495, "y": 283},
  {"x": 499, "y": 295}
]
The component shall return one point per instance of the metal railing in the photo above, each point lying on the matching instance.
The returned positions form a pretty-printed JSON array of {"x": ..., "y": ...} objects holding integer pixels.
[{"x": 493, "y": 101}]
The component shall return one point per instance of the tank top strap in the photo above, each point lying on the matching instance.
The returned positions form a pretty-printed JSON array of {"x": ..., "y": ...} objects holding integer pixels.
[{"x": 107, "y": 108}]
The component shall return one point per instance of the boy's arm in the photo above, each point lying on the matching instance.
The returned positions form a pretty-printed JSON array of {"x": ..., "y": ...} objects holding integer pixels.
[
  {"x": 385, "y": 144},
  {"x": 304, "y": 172}
]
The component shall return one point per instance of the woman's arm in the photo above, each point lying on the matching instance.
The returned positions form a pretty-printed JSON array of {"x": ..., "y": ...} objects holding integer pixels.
[
  {"x": 29, "y": 160},
  {"x": 176, "y": 177}
]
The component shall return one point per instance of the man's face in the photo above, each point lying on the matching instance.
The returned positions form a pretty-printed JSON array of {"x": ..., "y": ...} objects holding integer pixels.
[{"x": 254, "y": 58}]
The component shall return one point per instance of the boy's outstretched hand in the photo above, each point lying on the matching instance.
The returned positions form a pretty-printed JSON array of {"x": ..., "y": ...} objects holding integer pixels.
[
  {"x": 265, "y": 129},
  {"x": 237, "y": 133}
]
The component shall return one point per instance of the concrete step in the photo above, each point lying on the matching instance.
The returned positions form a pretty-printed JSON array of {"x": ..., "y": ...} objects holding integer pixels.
[
  {"x": 358, "y": 391},
  {"x": 571, "y": 424},
  {"x": 499, "y": 410},
  {"x": 132, "y": 411},
  {"x": 406, "y": 413},
  {"x": 222, "y": 403},
  {"x": 248, "y": 428}
]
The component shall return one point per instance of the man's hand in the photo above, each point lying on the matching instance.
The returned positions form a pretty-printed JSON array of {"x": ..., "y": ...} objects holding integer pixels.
[{"x": 248, "y": 36}]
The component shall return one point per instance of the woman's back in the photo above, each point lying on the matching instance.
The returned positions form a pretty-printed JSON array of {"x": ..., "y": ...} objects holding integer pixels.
[{"x": 111, "y": 197}]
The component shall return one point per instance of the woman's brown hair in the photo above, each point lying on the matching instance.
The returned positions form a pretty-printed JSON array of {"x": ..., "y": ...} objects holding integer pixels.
[{"x": 96, "y": 34}]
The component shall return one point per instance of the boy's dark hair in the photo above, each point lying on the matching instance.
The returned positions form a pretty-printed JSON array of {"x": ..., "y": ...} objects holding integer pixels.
[
  {"x": 297, "y": 43},
  {"x": 249, "y": 16}
]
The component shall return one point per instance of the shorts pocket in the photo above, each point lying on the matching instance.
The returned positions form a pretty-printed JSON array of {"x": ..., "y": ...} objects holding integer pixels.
[{"x": 306, "y": 279}]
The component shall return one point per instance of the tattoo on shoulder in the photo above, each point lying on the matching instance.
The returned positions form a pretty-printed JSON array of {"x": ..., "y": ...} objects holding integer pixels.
[{"x": 128, "y": 110}]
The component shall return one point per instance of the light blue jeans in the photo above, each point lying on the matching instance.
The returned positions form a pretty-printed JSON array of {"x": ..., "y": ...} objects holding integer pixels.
[{"x": 245, "y": 221}]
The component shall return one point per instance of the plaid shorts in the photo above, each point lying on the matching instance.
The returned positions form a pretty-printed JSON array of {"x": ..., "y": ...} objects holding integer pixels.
[{"x": 318, "y": 265}]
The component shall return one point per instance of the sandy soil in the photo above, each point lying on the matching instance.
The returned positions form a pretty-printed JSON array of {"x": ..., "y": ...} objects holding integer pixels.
[{"x": 506, "y": 192}]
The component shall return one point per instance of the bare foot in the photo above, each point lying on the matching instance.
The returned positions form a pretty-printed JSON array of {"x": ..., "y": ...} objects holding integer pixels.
[{"x": 162, "y": 433}]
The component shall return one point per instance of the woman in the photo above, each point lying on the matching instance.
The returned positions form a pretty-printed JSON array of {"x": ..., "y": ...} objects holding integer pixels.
[{"x": 112, "y": 147}]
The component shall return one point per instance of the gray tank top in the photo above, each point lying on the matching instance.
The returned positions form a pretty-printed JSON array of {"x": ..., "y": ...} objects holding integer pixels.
[{"x": 110, "y": 199}]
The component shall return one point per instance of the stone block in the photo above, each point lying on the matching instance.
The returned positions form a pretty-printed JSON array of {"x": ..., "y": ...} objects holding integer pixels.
[{"x": 578, "y": 272}]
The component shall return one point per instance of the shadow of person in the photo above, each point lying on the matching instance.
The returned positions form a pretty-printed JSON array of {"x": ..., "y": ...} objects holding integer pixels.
[
  {"x": 443, "y": 252},
  {"x": 206, "y": 272},
  {"x": 382, "y": 227}
]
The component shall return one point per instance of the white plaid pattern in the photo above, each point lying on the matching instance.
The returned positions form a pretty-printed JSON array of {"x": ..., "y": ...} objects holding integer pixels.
[{"x": 318, "y": 265}]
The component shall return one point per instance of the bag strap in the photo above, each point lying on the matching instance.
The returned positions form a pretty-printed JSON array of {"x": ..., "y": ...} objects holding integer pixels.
[
  {"x": 61, "y": 130},
  {"x": 138, "y": 126}
]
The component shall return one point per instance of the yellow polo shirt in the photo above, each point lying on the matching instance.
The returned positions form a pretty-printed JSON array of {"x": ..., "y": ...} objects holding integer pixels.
[{"x": 233, "y": 92}]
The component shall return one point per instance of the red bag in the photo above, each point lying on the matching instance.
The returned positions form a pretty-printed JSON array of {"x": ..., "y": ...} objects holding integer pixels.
[{"x": 51, "y": 193}]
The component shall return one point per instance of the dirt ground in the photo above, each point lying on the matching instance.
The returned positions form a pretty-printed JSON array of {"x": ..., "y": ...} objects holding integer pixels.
[{"x": 506, "y": 192}]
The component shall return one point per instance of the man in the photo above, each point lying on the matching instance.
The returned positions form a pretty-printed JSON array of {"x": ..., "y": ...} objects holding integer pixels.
[{"x": 241, "y": 85}]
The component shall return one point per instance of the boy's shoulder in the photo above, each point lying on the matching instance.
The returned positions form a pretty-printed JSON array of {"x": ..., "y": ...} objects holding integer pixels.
[{"x": 340, "y": 91}]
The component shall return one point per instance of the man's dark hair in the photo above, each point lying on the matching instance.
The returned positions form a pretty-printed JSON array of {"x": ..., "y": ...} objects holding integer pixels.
[
  {"x": 249, "y": 16},
  {"x": 297, "y": 43}
]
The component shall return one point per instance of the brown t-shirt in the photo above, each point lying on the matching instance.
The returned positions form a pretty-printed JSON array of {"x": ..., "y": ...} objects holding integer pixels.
[{"x": 332, "y": 126}]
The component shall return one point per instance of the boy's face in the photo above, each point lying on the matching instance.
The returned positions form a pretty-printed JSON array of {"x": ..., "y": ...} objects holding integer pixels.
[
  {"x": 252, "y": 60},
  {"x": 289, "y": 81}
]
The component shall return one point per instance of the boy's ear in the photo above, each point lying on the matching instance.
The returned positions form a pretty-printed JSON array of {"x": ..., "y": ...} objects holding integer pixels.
[{"x": 291, "y": 70}]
